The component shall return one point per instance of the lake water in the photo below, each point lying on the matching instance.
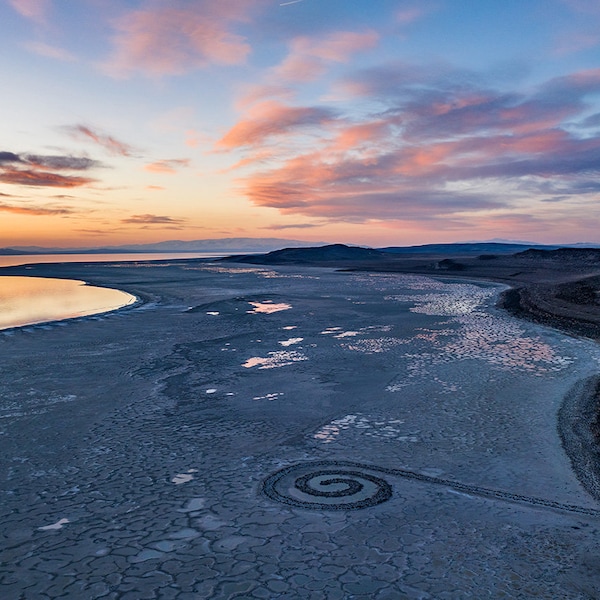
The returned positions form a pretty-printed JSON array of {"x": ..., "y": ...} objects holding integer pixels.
[
  {"x": 26, "y": 259},
  {"x": 29, "y": 300}
]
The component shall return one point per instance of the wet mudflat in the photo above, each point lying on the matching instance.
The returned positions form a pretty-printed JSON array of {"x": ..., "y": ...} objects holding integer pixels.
[{"x": 256, "y": 432}]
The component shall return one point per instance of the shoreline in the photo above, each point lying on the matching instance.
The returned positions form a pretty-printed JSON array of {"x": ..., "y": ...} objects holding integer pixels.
[
  {"x": 134, "y": 301},
  {"x": 578, "y": 430}
]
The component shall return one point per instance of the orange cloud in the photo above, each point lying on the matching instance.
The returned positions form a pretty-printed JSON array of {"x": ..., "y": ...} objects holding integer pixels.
[
  {"x": 270, "y": 119},
  {"x": 357, "y": 136},
  {"x": 175, "y": 39},
  {"x": 149, "y": 220},
  {"x": 168, "y": 166},
  {"x": 41, "y": 178},
  {"x": 34, "y": 210}
]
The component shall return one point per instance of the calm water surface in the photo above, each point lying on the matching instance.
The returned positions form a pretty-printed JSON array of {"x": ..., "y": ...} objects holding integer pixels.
[
  {"x": 26, "y": 259},
  {"x": 29, "y": 300}
]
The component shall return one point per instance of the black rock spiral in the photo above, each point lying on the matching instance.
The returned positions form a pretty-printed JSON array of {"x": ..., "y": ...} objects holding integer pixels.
[
  {"x": 336, "y": 487},
  {"x": 344, "y": 485}
]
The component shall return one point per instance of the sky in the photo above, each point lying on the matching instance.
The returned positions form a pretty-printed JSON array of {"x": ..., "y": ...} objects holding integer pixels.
[{"x": 375, "y": 122}]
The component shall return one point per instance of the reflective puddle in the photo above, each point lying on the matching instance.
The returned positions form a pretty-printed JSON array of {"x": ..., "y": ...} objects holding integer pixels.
[{"x": 268, "y": 307}]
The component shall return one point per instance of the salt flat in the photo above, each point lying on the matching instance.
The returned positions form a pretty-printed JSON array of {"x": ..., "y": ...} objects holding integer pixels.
[{"x": 287, "y": 432}]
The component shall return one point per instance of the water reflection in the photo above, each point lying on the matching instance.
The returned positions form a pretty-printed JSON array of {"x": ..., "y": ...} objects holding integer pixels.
[
  {"x": 267, "y": 307},
  {"x": 291, "y": 341},
  {"x": 381, "y": 428},
  {"x": 275, "y": 359},
  {"x": 475, "y": 333},
  {"x": 30, "y": 300}
]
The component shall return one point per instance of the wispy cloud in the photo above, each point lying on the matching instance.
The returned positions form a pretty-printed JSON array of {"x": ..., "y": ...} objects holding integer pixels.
[
  {"x": 309, "y": 57},
  {"x": 75, "y": 163},
  {"x": 292, "y": 226},
  {"x": 38, "y": 211},
  {"x": 149, "y": 220},
  {"x": 36, "y": 10},
  {"x": 171, "y": 40},
  {"x": 111, "y": 144},
  {"x": 167, "y": 166},
  {"x": 32, "y": 170},
  {"x": 41, "y": 178},
  {"x": 270, "y": 119},
  {"x": 50, "y": 51}
]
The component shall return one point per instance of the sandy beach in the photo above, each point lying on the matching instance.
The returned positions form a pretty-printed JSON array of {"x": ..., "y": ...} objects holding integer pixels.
[{"x": 294, "y": 432}]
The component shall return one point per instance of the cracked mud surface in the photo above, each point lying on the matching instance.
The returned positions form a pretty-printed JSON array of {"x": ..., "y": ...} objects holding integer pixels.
[{"x": 136, "y": 446}]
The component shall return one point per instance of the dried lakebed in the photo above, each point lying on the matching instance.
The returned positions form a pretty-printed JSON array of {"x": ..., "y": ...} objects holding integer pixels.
[{"x": 291, "y": 433}]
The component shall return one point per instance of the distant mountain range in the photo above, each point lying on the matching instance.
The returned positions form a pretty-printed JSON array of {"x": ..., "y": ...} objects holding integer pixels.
[
  {"x": 225, "y": 245},
  {"x": 468, "y": 248},
  {"x": 229, "y": 246}
]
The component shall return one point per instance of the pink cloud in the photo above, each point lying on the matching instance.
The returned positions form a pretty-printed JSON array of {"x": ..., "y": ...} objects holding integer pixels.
[
  {"x": 357, "y": 136},
  {"x": 36, "y": 10},
  {"x": 339, "y": 46},
  {"x": 442, "y": 144},
  {"x": 258, "y": 92},
  {"x": 108, "y": 142},
  {"x": 308, "y": 57},
  {"x": 173, "y": 39},
  {"x": 272, "y": 119},
  {"x": 167, "y": 166}
]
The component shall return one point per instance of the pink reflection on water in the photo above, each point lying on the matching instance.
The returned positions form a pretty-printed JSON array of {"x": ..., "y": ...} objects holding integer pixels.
[{"x": 30, "y": 300}]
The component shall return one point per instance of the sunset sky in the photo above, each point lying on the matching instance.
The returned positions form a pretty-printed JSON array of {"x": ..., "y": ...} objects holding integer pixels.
[{"x": 380, "y": 122}]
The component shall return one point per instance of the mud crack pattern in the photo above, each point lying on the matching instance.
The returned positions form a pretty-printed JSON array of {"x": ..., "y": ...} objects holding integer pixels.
[{"x": 329, "y": 486}]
